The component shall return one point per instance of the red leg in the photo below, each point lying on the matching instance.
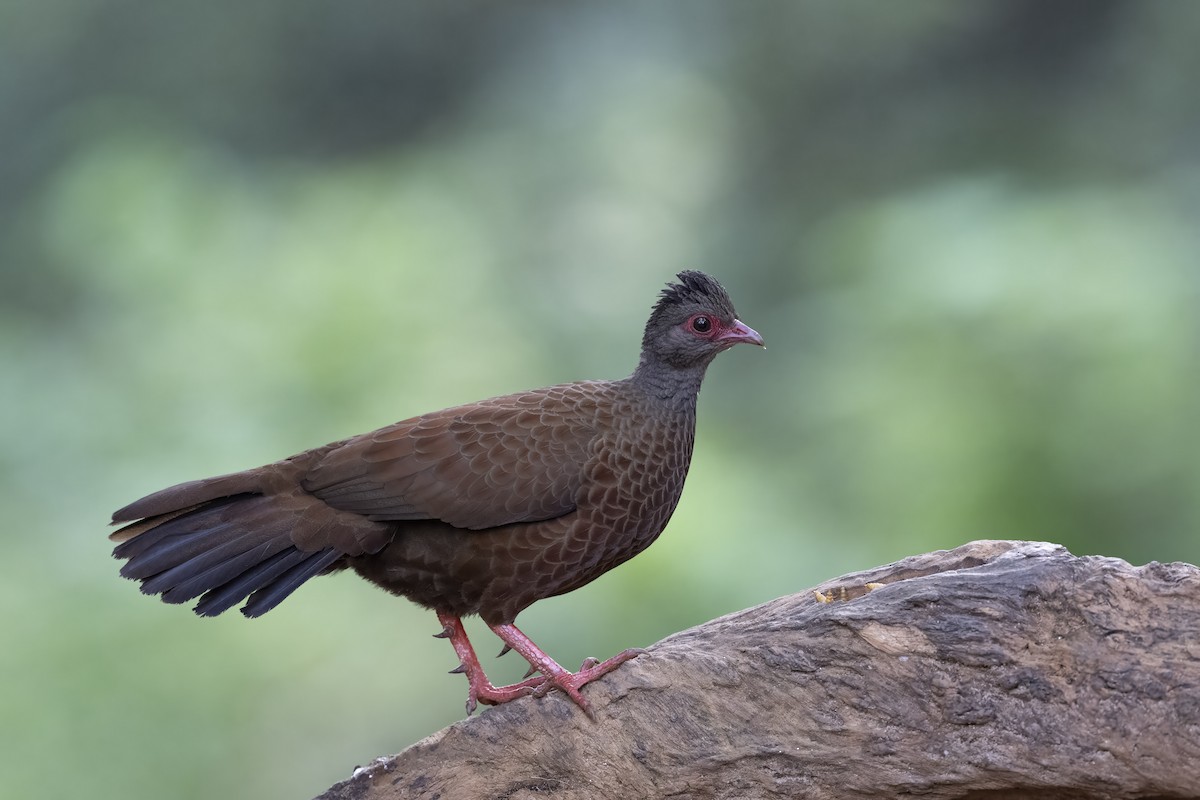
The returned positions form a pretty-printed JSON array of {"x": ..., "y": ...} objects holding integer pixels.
[
  {"x": 481, "y": 689},
  {"x": 555, "y": 675}
]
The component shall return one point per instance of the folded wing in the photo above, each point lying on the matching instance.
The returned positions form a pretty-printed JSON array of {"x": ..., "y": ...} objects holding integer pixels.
[{"x": 518, "y": 458}]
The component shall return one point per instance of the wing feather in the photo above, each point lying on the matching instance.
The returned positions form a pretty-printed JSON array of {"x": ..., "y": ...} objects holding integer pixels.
[{"x": 517, "y": 458}]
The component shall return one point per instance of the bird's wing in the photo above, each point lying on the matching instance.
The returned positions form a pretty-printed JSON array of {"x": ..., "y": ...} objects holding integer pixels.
[{"x": 510, "y": 459}]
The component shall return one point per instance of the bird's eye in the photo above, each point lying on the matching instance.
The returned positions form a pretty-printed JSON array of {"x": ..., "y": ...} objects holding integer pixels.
[{"x": 701, "y": 324}]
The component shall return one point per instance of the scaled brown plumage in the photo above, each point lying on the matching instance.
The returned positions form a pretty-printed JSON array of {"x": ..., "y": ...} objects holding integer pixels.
[{"x": 479, "y": 509}]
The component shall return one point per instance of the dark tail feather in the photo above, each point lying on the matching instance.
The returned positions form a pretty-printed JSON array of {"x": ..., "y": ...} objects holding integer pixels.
[
  {"x": 224, "y": 597},
  {"x": 177, "y": 526},
  {"x": 271, "y": 595},
  {"x": 191, "y": 494},
  {"x": 213, "y": 569},
  {"x": 226, "y": 550}
]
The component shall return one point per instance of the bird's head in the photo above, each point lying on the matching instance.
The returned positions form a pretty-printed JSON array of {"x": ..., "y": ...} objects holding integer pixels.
[{"x": 692, "y": 321}]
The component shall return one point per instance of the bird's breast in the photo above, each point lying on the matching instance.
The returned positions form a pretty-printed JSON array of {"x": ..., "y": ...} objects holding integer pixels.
[{"x": 630, "y": 489}]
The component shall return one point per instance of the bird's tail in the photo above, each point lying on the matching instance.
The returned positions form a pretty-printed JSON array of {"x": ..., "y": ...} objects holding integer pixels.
[{"x": 221, "y": 540}]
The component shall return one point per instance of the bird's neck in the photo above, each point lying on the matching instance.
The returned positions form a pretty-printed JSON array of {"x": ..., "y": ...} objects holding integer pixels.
[{"x": 673, "y": 386}]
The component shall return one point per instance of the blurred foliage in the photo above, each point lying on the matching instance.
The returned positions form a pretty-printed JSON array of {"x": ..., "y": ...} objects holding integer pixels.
[{"x": 229, "y": 233}]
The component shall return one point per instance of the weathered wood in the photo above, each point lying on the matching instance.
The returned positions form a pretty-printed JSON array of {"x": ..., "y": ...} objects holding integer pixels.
[{"x": 997, "y": 670}]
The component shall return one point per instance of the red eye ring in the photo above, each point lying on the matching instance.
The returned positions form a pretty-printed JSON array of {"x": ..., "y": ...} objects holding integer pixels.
[{"x": 702, "y": 324}]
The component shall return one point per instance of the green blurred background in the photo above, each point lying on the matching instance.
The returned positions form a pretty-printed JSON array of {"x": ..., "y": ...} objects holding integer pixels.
[{"x": 229, "y": 232}]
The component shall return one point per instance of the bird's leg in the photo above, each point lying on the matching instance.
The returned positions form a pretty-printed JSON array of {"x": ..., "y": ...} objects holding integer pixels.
[
  {"x": 555, "y": 675},
  {"x": 481, "y": 689}
]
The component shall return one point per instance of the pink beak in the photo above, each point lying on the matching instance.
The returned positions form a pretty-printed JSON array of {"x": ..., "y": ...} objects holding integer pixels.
[{"x": 740, "y": 333}]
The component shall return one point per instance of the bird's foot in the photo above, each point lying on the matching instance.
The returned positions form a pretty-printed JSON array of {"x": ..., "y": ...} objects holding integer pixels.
[
  {"x": 569, "y": 683},
  {"x": 552, "y": 674},
  {"x": 480, "y": 688},
  {"x": 555, "y": 676}
]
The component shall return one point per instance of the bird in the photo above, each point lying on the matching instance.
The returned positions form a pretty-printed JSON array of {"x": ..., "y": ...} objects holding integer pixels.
[{"x": 480, "y": 509}]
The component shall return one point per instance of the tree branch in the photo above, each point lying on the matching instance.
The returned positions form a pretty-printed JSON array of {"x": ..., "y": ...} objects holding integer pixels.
[{"x": 998, "y": 669}]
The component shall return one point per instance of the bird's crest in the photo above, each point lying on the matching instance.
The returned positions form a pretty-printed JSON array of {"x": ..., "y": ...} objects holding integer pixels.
[{"x": 693, "y": 287}]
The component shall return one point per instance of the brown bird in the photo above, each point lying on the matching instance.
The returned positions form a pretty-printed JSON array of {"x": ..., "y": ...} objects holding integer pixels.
[{"x": 479, "y": 509}]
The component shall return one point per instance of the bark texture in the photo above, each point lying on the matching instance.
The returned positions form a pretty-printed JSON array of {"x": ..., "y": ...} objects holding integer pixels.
[{"x": 995, "y": 670}]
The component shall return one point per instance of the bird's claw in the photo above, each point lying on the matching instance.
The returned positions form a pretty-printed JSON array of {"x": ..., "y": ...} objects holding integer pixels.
[
  {"x": 552, "y": 675},
  {"x": 569, "y": 683},
  {"x": 482, "y": 691}
]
